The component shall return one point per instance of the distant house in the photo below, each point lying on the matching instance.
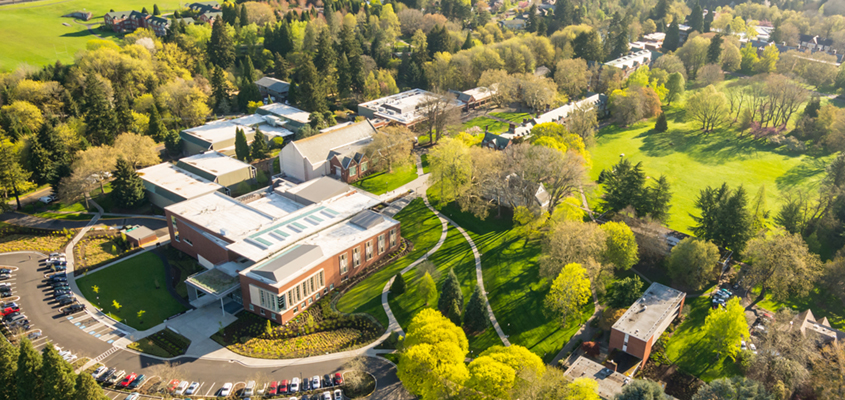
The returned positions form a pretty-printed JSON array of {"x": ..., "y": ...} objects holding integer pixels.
[
  {"x": 272, "y": 87},
  {"x": 815, "y": 43},
  {"x": 206, "y": 11},
  {"x": 406, "y": 108},
  {"x": 594, "y": 101},
  {"x": 337, "y": 152},
  {"x": 218, "y": 168},
  {"x": 632, "y": 61},
  {"x": 129, "y": 21},
  {"x": 517, "y": 23},
  {"x": 495, "y": 142},
  {"x": 808, "y": 325}
]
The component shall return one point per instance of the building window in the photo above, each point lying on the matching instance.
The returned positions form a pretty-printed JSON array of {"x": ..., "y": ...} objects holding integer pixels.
[
  {"x": 273, "y": 316},
  {"x": 343, "y": 266},
  {"x": 175, "y": 228},
  {"x": 317, "y": 295},
  {"x": 296, "y": 309},
  {"x": 380, "y": 244},
  {"x": 353, "y": 170},
  {"x": 363, "y": 167},
  {"x": 189, "y": 242},
  {"x": 261, "y": 311},
  {"x": 393, "y": 237},
  {"x": 331, "y": 286},
  {"x": 356, "y": 257},
  {"x": 369, "y": 250},
  {"x": 326, "y": 290},
  {"x": 309, "y": 301},
  {"x": 322, "y": 282},
  {"x": 251, "y": 307}
]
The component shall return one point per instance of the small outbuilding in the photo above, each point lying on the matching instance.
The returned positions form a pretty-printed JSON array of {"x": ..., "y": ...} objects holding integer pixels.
[{"x": 141, "y": 236}]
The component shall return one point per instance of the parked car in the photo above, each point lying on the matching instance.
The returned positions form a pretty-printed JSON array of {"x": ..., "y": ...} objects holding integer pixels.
[
  {"x": 172, "y": 385},
  {"x": 58, "y": 275},
  {"x": 60, "y": 266},
  {"x": 47, "y": 199},
  {"x": 99, "y": 371},
  {"x": 4, "y": 277},
  {"x": 338, "y": 395},
  {"x": 338, "y": 379},
  {"x": 126, "y": 381},
  {"x": 9, "y": 308},
  {"x": 327, "y": 380},
  {"x": 107, "y": 375},
  {"x": 226, "y": 390},
  {"x": 116, "y": 377},
  {"x": 59, "y": 298},
  {"x": 192, "y": 388},
  {"x": 5, "y": 271},
  {"x": 62, "y": 291},
  {"x": 271, "y": 390},
  {"x": 306, "y": 385},
  {"x": 283, "y": 387},
  {"x": 74, "y": 308},
  {"x": 137, "y": 382},
  {"x": 294, "y": 385},
  {"x": 315, "y": 382},
  {"x": 66, "y": 300},
  {"x": 249, "y": 389},
  {"x": 181, "y": 388},
  {"x": 35, "y": 335},
  {"x": 11, "y": 316},
  {"x": 133, "y": 396},
  {"x": 327, "y": 396}
]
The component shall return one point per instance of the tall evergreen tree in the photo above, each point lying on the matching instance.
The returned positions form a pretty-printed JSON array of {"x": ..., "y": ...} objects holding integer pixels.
[
  {"x": 249, "y": 93},
  {"x": 156, "y": 11},
  {"x": 173, "y": 142},
  {"x": 69, "y": 105},
  {"x": 398, "y": 286},
  {"x": 326, "y": 58},
  {"x": 356, "y": 73},
  {"x": 696, "y": 19},
  {"x": 87, "y": 388},
  {"x": 218, "y": 87},
  {"x": 659, "y": 199},
  {"x": 125, "y": 120},
  {"x": 564, "y": 11},
  {"x": 280, "y": 67},
  {"x": 156, "y": 128},
  {"x": 673, "y": 37},
  {"x": 468, "y": 43},
  {"x": 28, "y": 376},
  {"x": 144, "y": 10},
  {"x": 249, "y": 74},
  {"x": 438, "y": 40},
  {"x": 221, "y": 47},
  {"x": 241, "y": 145},
  {"x": 624, "y": 185},
  {"x": 450, "y": 292},
  {"x": 724, "y": 217},
  {"x": 99, "y": 115},
  {"x": 659, "y": 11},
  {"x": 661, "y": 125},
  {"x": 708, "y": 21},
  {"x": 127, "y": 187},
  {"x": 310, "y": 92},
  {"x": 8, "y": 371},
  {"x": 284, "y": 40},
  {"x": 587, "y": 45},
  {"x": 476, "y": 318},
  {"x": 58, "y": 377},
  {"x": 454, "y": 312},
  {"x": 715, "y": 49},
  {"x": 344, "y": 76},
  {"x": 244, "y": 15},
  {"x": 41, "y": 161},
  {"x": 259, "y": 149}
]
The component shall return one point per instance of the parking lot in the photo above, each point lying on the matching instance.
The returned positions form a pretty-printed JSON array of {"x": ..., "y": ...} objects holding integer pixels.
[{"x": 86, "y": 337}]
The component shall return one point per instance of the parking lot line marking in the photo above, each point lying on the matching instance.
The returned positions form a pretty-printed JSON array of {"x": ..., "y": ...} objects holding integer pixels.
[{"x": 210, "y": 388}]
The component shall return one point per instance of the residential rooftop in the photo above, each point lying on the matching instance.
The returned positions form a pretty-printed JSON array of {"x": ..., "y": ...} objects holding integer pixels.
[
  {"x": 610, "y": 382},
  {"x": 641, "y": 57},
  {"x": 650, "y": 312},
  {"x": 215, "y": 163},
  {"x": 178, "y": 181}
]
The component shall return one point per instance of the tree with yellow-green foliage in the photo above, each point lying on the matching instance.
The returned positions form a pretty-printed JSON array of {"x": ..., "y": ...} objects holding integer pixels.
[
  {"x": 556, "y": 136},
  {"x": 427, "y": 289},
  {"x": 725, "y": 327},
  {"x": 570, "y": 290},
  {"x": 432, "y": 364},
  {"x": 622, "y": 250}
]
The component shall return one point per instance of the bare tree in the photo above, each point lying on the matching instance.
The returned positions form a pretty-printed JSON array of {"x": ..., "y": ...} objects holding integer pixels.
[
  {"x": 483, "y": 183},
  {"x": 391, "y": 147},
  {"x": 572, "y": 242},
  {"x": 530, "y": 166},
  {"x": 440, "y": 110}
]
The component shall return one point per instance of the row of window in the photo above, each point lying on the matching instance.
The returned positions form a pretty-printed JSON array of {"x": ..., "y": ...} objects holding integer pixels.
[
  {"x": 368, "y": 252},
  {"x": 353, "y": 169},
  {"x": 308, "y": 301}
]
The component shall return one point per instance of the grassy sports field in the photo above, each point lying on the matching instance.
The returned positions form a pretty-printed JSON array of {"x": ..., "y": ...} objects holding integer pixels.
[{"x": 34, "y": 33}]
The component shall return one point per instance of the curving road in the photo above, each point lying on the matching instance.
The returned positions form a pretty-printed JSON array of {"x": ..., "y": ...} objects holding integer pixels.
[{"x": 93, "y": 341}]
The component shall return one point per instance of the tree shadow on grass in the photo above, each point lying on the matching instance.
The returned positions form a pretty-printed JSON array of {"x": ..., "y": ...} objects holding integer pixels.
[
  {"x": 82, "y": 33},
  {"x": 808, "y": 168}
]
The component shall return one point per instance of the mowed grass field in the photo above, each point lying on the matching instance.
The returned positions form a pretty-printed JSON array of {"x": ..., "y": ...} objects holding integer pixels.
[
  {"x": 692, "y": 160},
  {"x": 33, "y": 33}
]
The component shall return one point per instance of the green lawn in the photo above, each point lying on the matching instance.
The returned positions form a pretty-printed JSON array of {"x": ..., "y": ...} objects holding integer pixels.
[
  {"x": 515, "y": 289},
  {"x": 688, "y": 349},
  {"x": 70, "y": 217},
  {"x": 822, "y": 302},
  {"x": 33, "y": 32},
  {"x": 516, "y": 117},
  {"x": 424, "y": 161},
  {"x": 692, "y": 161},
  {"x": 136, "y": 284},
  {"x": 420, "y": 226},
  {"x": 383, "y": 182},
  {"x": 486, "y": 123}
]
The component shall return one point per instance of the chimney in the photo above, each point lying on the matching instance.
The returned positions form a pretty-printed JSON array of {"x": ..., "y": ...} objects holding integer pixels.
[
  {"x": 524, "y": 120},
  {"x": 511, "y": 127},
  {"x": 609, "y": 364},
  {"x": 486, "y": 128}
]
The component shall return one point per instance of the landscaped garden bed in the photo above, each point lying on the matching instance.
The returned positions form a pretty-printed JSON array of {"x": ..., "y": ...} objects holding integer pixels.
[
  {"x": 317, "y": 330},
  {"x": 98, "y": 249},
  {"x": 15, "y": 238},
  {"x": 164, "y": 343}
]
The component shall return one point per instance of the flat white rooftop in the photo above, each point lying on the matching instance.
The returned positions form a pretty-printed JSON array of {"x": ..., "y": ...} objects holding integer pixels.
[
  {"x": 222, "y": 215},
  {"x": 642, "y": 319},
  {"x": 215, "y": 163},
  {"x": 402, "y": 107},
  {"x": 178, "y": 181},
  {"x": 287, "y": 112},
  {"x": 224, "y": 129}
]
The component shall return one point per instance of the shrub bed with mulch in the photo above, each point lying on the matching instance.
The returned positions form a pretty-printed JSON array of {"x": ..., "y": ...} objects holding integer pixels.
[
  {"x": 317, "y": 330},
  {"x": 164, "y": 343},
  {"x": 16, "y": 238}
]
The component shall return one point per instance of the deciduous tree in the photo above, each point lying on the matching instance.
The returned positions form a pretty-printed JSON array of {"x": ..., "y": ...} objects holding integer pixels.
[
  {"x": 432, "y": 364},
  {"x": 572, "y": 76},
  {"x": 571, "y": 242},
  {"x": 693, "y": 262},
  {"x": 642, "y": 389},
  {"x": 781, "y": 262},
  {"x": 391, "y": 147},
  {"x": 139, "y": 151},
  {"x": 708, "y": 107},
  {"x": 569, "y": 291},
  {"x": 427, "y": 289},
  {"x": 724, "y": 328},
  {"x": 621, "y": 250}
]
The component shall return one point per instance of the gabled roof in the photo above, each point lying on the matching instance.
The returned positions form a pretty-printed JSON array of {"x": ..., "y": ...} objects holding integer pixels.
[
  {"x": 324, "y": 146},
  {"x": 273, "y": 84},
  {"x": 500, "y": 143}
]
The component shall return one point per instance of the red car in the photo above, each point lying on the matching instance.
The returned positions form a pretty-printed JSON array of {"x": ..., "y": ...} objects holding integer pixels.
[
  {"x": 338, "y": 379},
  {"x": 172, "y": 385},
  {"x": 126, "y": 381},
  {"x": 283, "y": 387},
  {"x": 10, "y": 308},
  {"x": 271, "y": 391}
]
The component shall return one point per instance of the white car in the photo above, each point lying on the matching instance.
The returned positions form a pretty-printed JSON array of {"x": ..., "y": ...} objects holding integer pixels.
[
  {"x": 294, "y": 385},
  {"x": 338, "y": 395},
  {"x": 181, "y": 388},
  {"x": 133, "y": 396},
  {"x": 48, "y": 199},
  {"x": 226, "y": 390},
  {"x": 191, "y": 389},
  {"x": 315, "y": 382},
  {"x": 99, "y": 371},
  {"x": 326, "y": 396}
]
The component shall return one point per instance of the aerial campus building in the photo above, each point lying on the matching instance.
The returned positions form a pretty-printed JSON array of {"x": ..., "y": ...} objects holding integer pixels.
[{"x": 280, "y": 249}]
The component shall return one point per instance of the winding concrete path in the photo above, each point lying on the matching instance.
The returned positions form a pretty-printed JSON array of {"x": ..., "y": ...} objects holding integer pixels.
[{"x": 393, "y": 324}]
